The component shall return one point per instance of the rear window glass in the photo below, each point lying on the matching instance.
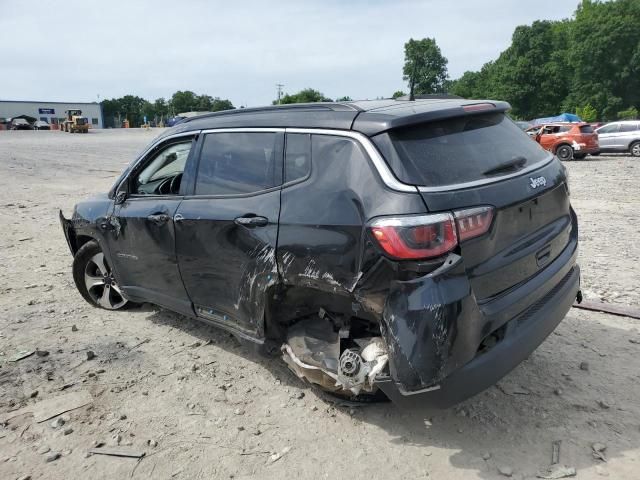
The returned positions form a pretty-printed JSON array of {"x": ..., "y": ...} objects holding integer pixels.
[
  {"x": 586, "y": 129},
  {"x": 458, "y": 150}
]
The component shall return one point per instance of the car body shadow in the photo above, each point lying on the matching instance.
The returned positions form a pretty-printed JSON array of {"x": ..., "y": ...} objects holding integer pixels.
[{"x": 547, "y": 399}]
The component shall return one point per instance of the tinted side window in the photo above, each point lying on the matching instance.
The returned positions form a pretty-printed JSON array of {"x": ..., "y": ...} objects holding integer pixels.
[
  {"x": 628, "y": 127},
  {"x": 238, "y": 163},
  {"x": 586, "y": 129},
  {"x": 297, "y": 160},
  {"x": 609, "y": 129}
]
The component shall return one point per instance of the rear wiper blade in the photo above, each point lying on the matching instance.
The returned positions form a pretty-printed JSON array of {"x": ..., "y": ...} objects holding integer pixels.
[{"x": 512, "y": 165}]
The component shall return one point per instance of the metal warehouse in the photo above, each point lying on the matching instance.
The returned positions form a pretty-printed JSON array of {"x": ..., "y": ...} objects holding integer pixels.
[{"x": 50, "y": 112}]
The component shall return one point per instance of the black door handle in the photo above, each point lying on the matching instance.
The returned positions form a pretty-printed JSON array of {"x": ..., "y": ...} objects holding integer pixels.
[
  {"x": 252, "y": 221},
  {"x": 159, "y": 219}
]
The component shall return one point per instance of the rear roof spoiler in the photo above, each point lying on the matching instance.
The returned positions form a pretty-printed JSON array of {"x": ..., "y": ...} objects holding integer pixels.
[{"x": 373, "y": 123}]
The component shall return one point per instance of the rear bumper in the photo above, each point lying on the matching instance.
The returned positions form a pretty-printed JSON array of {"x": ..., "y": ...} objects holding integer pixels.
[
  {"x": 435, "y": 329},
  {"x": 522, "y": 336}
]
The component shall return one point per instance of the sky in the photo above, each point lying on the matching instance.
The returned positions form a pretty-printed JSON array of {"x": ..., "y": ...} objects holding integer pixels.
[{"x": 91, "y": 50}]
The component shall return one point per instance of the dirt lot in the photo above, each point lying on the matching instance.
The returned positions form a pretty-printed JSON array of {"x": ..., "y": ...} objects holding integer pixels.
[{"x": 202, "y": 406}]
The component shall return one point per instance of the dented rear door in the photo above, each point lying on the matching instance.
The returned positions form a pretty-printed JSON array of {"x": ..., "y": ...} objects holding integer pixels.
[{"x": 226, "y": 232}]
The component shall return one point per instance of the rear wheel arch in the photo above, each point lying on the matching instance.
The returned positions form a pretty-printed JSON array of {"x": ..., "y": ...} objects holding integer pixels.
[{"x": 634, "y": 148}]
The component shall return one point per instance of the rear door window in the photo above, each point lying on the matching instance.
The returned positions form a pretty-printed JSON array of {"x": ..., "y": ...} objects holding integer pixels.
[
  {"x": 628, "y": 127},
  {"x": 237, "y": 163},
  {"x": 458, "y": 150},
  {"x": 586, "y": 129}
]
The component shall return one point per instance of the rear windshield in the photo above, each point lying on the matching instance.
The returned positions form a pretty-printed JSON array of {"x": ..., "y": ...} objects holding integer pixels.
[
  {"x": 586, "y": 129},
  {"x": 458, "y": 150}
]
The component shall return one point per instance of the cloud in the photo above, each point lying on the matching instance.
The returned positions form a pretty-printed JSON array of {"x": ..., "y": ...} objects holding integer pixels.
[{"x": 75, "y": 50}]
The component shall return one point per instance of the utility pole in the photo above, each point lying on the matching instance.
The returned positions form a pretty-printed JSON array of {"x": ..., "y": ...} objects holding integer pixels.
[{"x": 279, "y": 87}]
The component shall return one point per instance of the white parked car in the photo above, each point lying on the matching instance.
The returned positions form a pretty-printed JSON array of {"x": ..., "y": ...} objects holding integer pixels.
[{"x": 623, "y": 136}]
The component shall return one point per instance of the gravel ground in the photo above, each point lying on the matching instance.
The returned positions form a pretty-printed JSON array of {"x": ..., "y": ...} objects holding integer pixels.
[{"x": 202, "y": 406}]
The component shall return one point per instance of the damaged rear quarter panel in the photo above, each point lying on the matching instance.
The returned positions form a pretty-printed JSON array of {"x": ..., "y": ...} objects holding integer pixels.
[
  {"x": 431, "y": 325},
  {"x": 322, "y": 242}
]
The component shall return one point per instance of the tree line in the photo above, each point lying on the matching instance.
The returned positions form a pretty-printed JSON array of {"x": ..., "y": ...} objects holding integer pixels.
[
  {"x": 135, "y": 109},
  {"x": 588, "y": 64}
]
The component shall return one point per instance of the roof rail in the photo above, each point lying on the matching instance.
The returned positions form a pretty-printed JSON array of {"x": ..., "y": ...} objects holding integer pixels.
[
  {"x": 331, "y": 106},
  {"x": 430, "y": 96}
]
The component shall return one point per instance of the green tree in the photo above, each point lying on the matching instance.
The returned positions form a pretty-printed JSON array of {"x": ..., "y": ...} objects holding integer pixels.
[
  {"x": 398, "y": 93},
  {"x": 161, "y": 108},
  {"x": 605, "y": 56},
  {"x": 219, "y": 104},
  {"x": 344, "y": 99},
  {"x": 628, "y": 114},
  {"x": 424, "y": 66},
  {"x": 587, "y": 113},
  {"x": 308, "y": 95},
  {"x": 183, "y": 101}
]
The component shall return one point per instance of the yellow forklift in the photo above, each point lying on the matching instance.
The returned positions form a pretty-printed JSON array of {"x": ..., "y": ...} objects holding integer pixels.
[{"x": 74, "y": 122}]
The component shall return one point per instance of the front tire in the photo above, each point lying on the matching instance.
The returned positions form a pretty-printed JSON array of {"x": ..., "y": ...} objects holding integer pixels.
[
  {"x": 564, "y": 152},
  {"x": 634, "y": 149},
  {"x": 94, "y": 278}
]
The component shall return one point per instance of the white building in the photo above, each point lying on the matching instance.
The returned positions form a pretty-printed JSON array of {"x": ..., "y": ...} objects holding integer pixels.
[{"x": 50, "y": 112}]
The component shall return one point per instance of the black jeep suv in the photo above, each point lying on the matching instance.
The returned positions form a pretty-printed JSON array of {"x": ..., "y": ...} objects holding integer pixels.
[{"x": 417, "y": 248}]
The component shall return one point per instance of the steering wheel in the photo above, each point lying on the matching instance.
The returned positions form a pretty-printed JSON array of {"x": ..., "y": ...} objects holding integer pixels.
[{"x": 174, "y": 186}]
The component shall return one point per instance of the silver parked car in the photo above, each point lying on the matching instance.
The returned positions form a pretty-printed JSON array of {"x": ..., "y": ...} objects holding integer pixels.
[{"x": 621, "y": 136}]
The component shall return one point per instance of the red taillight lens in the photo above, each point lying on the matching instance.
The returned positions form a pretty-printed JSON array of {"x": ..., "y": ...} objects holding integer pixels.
[
  {"x": 424, "y": 236},
  {"x": 473, "y": 222},
  {"x": 430, "y": 236}
]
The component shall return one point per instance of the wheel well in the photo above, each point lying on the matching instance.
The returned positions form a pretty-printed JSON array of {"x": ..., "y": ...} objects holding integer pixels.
[
  {"x": 78, "y": 241},
  {"x": 562, "y": 145}
]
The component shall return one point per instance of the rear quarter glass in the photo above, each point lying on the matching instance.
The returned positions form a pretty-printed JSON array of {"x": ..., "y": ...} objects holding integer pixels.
[{"x": 458, "y": 150}]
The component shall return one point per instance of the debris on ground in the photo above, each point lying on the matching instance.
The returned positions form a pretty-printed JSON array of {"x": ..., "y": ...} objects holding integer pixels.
[
  {"x": 597, "y": 450},
  {"x": 555, "y": 452},
  {"x": 22, "y": 355},
  {"x": 52, "y": 457},
  {"x": 505, "y": 471},
  {"x": 57, "y": 423},
  {"x": 277, "y": 456},
  {"x": 117, "y": 452},
  {"x": 51, "y": 407},
  {"x": 557, "y": 471}
]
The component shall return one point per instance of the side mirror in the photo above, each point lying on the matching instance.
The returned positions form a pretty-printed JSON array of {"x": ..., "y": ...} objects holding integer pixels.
[{"x": 121, "y": 196}]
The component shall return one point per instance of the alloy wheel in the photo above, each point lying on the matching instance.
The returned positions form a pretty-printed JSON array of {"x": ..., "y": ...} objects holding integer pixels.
[{"x": 101, "y": 284}]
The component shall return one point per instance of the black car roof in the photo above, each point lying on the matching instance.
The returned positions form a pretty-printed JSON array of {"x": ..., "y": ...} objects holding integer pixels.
[{"x": 367, "y": 116}]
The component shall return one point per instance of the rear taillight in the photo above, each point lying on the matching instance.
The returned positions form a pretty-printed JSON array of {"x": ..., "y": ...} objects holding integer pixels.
[
  {"x": 473, "y": 222},
  {"x": 423, "y": 236},
  {"x": 429, "y": 236}
]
